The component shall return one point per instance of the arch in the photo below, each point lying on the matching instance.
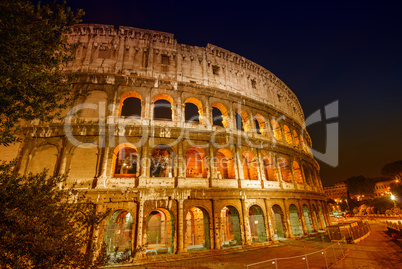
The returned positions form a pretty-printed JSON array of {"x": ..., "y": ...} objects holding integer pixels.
[
  {"x": 285, "y": 169},
  {"x": 295, "y": 220},
  {"x": 279, "y": 223},
  {"x": 307, "y": 219},
  {"x": 83, "y": 163},
  {"x": 160, "y": 232},
  {"x": 196, "y": 163},
  {"x": 303, "y": 143},
  {"x": 308, "y": 175},
  {"x": 118, "y": 233},
  {"x": 242, "y": 121},
  {"x": 130, "y": 104},
  {"x": 249, "y": 164},
  {"x": 276, "y": 129},
  {"x": 193, "y": 110},
  {"x": 256, "y": 219},
  {"x": 269, "y": 168},
  {"x": 44, "y": 157},
  {"x": 224, "y": 164},
  {"x": 197, "y": 229},
  {"x": 231, "y": 232},
  {"x": 323, "y": 225},
  {"x": 288, "y": 135},
  {"x": 315, "y": 217},
  {"x": 261, "y": 125},
  {"x": 94, "y": 97},
  {"x": 298, "y": 173},
  {"x": 220, "y": 115},
  {"x": 163, "y": 107},
  {"x": 125, "y": 160},
  {"x": 162, "y": 162},
  {"x": 296, "y": 138}
]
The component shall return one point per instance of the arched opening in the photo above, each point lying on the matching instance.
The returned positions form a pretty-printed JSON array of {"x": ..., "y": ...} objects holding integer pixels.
[
  {"x": 304, "y": 147},
  {"x": 307, "y": 219},
  {"x": 224, "y": 164},
  {"x": 118, "y": 234},
  {"x": 162, "y": 161},
  {"x": 295, "y": 221},
  {"x": 160, "y": 232},
  {"x": 44, "y": 157},
  {"x": 322, "y": 218},
  {"x": 197, "y": 229},
  {"x": 239, "y": 122},
  {"x": 269, "y": 168},
  {"x": 193, "y": 112},
  {"x": 231, "y": 233},
  {"x": 276, "y": 129},
  {"x": 315, "y": 217},
  {"x": 296, "y": 138},
  {"x": 220, "y": 115},
  {"x": 196, "y": 163},
  {"x": 130, "y": 105},
  {"x": 308, "y": 175},
  {"x": 285, "y": 169},
  {"x": 257, "y": 224},
  {"x": 163, "y": 107},
  {"x": 279, "y": 224},
  {"x": 125, "y": 161},
  {"x": 242, "y": 121},
  {"x": 249, "y": 164},
  {"x": 261, "y": 126},
  {"x": 288, "y": 135},
  {"x": 298, "y": 173}
]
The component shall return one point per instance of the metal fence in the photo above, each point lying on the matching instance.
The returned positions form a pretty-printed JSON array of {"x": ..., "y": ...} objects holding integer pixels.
[{"x": 325, "y": 258}]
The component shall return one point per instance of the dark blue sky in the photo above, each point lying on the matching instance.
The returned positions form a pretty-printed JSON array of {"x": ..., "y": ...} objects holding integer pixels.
[{"x": 323, "y": 50}]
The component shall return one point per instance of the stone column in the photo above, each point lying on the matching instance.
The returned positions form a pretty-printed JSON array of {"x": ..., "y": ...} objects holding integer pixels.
[
  {"x": 269, "y": 226},
  {"x": 247, "y": 233},
  {"x": 216, "y": 225},
  {"x": 140, "y": 236},
  {"x": 287, "y": 219},
  {"x": 278, "y": 168},
  {"x": 302, "y": 219},
  {"x": 293, "y": 174},
  {"x": 180, "y": 226},
  {"x": 313, "y": 222}
]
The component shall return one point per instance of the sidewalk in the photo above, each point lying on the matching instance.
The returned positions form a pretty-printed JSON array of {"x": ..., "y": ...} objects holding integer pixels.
[{"x": 376, "y": 252}]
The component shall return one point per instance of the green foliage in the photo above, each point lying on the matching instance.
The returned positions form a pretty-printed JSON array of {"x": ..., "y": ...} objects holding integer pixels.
[
  {"x": 393, "y": 170},
  {"x": 42, "y": 226},
  {"x": 33, "y": 51},
  {"x": 360, "y": 186}
]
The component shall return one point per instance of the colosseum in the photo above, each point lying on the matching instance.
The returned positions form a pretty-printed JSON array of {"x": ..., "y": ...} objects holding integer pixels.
[{"x": 191, "y": 148}]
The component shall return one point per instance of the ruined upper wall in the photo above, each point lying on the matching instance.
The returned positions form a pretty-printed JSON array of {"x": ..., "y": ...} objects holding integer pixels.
[{"x": 138, "y": 52}]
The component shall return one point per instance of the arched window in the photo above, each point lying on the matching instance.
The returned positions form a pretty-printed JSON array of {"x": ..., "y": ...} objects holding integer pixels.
[
  {"x": 224, "y": 164},
  {"x": 130, "y": 105},
  {"x": 288, "y": 135},
  {"x": 162, "y": 161},
  {"x": 126, "y": 161},
  {"x": 193, "y": 110},
  {"x": 261, "y": 127},
  {"x": 239, "y": 122},
  {"x": 196, "y": 163},
  {"x": 163, "y": 107},
  {"x": 269, "y": 168},
  {"x": 276, "y": 129},
  {"x": 285, "y": 169},
  {"x": 296, "y": 138},
  {"x": 220, "y": 115},
  {"x": 118, "y": 233},
  {"x": 257, "y": 224},
  {"x": 242, "y": 121},
  {"x": 249, "y": 166},
  {"x": 298, "y": 173}
]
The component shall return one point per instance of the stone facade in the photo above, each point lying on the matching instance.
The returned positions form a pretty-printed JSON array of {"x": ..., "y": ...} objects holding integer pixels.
[{"x": 192, "y": 148}]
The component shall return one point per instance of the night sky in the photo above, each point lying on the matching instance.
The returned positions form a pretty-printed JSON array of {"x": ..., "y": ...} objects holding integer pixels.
[{"x": 324, "y": 51}]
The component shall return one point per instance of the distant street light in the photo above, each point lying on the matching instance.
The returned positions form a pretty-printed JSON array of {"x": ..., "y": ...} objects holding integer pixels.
[{"x": 393, "y": 199}]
